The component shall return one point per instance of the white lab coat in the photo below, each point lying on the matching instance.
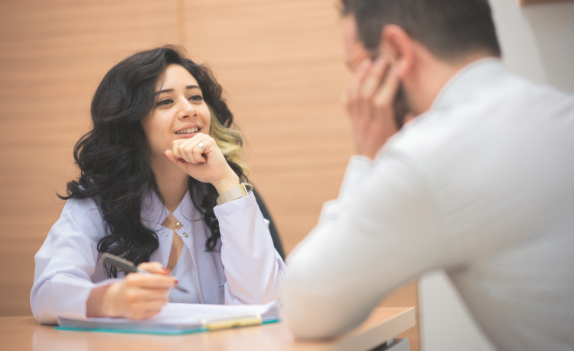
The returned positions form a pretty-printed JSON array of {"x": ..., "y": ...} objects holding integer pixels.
[{"x": 246, "y": 269}]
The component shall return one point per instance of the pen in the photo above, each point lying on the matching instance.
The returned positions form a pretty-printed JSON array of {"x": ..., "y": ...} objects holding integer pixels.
[{"x": 128, "y": 267}]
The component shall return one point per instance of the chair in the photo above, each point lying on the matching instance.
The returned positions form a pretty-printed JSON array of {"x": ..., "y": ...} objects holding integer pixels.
[
  {"x": 394, "y": 345},
  {"x": 274, "y": 234}
]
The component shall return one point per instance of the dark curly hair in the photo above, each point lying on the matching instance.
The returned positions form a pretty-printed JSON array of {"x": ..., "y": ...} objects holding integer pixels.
[{"x": 112, "y": 157}]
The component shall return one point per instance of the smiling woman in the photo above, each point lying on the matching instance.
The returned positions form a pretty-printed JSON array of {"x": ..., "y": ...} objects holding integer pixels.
[{"x": 161, "y": 154}]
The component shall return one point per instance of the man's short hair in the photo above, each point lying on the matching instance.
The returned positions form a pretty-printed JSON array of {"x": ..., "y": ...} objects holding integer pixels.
[{"x": 449, "y": 29}]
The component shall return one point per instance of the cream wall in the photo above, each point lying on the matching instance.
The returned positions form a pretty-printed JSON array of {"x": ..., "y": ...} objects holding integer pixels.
[{"x": 537, "y": 43}]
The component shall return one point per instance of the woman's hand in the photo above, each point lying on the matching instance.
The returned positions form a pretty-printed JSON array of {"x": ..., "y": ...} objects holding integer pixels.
[
  {"x": 138, "y": 296},
  {"x": 204, "y": 164},
  {"x": 369, "y": 99}
]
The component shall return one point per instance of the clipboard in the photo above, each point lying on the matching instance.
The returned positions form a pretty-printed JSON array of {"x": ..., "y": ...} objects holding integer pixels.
[{"x": 180, "y": 319}]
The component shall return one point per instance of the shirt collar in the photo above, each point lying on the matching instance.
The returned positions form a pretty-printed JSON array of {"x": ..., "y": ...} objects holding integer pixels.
[
  {"x": 153, "y": 212},
  {"x": 466, "y": 81}
]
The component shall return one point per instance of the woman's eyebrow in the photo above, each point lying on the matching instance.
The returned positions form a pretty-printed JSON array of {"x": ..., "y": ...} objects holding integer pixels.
[{"x": 170, "y": 90}]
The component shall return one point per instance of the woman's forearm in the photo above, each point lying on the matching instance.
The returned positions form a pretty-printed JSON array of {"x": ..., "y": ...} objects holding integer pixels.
[
  {"x": 253, "y": 269},
  {"x": 97, "y": 304}
]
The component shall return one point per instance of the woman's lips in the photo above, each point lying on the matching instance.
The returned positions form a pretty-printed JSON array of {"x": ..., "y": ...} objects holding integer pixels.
[{"x": 186, "y": 135}]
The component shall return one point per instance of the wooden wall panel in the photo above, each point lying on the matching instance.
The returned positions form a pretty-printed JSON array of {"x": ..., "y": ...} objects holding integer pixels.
[
  {"x": 282, "y": 66},
  {"x": 52, "y": 56}
]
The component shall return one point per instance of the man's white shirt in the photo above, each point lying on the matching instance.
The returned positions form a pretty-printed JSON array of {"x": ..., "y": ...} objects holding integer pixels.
[{"x": 481, "y": 185}]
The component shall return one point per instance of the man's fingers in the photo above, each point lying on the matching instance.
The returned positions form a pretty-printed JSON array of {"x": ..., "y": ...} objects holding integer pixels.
[
  {"x": 357, "y": 80},
  {"x": 385, "y": 97},
  {"x": 351, "y": 95},
  {"x": 372, "y": 80}
]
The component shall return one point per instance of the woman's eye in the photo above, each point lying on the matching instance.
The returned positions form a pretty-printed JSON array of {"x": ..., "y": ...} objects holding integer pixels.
[
  {"x": 164, "y": 102},
  {"x": 196, "y": 97}
]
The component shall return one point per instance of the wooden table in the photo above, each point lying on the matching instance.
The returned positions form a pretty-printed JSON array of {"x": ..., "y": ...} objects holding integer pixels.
[{"x": 24, "y": 333}]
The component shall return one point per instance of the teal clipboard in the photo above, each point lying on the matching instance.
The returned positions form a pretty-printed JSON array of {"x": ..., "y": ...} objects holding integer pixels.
[{"x": 148, "y": 332}]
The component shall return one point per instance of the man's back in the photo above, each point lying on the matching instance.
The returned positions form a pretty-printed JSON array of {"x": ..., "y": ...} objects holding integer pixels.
[
  {"x": 482, "y": 185},
  {"x": 497, "y": 154}
]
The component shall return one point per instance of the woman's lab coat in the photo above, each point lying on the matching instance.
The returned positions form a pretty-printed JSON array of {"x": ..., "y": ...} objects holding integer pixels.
[{"x": 245, "y": 269}]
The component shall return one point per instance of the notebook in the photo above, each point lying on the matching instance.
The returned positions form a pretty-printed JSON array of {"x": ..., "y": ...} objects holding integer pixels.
[{"x": 180, "y": 318}]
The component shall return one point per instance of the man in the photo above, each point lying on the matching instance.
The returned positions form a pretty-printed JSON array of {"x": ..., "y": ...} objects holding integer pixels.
[{"x": 480, "y": 183}]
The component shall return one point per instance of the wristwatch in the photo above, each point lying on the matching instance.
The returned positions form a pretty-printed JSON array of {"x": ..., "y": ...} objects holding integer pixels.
[{"x": 232, "y": 194}]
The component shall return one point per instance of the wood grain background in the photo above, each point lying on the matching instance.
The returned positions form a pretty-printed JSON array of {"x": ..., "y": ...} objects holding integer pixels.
[{"x": 280, "y": 62}]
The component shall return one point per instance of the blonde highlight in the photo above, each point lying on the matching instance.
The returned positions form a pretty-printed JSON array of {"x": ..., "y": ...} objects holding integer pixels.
[{"x": 230, "y": 142}]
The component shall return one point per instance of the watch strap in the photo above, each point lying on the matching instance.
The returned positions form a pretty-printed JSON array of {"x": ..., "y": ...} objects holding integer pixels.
[{"x": 232, "y": 194}]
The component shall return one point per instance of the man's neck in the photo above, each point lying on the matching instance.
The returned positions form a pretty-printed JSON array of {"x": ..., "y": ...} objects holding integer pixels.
[
  {"x": 171, "y": 181},
  {"x": 430, "y": 75}
]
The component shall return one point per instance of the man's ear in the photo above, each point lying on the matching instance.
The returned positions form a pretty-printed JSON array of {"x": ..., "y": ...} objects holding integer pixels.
[{"x": 397, "y": 49}]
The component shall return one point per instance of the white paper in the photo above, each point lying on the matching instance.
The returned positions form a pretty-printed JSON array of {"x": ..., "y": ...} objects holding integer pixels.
[{"x": 190, "y": 314}]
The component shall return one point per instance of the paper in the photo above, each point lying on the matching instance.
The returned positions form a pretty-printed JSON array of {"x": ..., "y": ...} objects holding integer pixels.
[{"x": 192, "y": 314}]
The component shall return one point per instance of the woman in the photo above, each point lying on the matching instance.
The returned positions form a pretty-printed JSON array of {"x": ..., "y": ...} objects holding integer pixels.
[{"x": 160, "y": 185}]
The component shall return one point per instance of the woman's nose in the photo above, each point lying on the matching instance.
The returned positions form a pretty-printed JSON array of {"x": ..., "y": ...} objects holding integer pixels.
[{"x": 187, "y": 109}]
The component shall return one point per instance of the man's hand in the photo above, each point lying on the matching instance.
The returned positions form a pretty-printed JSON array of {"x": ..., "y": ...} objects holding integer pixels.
[{"x": 369, "y": 99}]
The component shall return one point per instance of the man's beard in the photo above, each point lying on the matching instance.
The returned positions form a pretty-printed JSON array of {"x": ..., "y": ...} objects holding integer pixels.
[{"x": 401, "y": 106}]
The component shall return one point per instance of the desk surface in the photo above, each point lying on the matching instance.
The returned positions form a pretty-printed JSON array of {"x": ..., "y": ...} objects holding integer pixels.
[{"x": 24, "y": 333}]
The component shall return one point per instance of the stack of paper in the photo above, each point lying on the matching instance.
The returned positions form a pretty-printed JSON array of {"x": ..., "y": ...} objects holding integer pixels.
[{"x": 180, "y": 318}]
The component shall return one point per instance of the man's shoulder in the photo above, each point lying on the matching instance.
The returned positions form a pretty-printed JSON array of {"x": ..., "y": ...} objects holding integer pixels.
[{"x": 493, "y": 112}]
